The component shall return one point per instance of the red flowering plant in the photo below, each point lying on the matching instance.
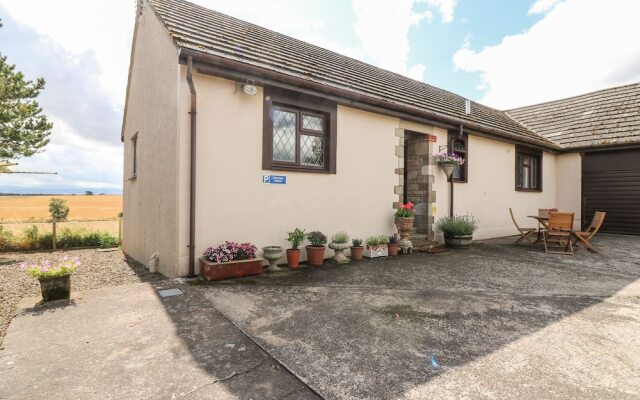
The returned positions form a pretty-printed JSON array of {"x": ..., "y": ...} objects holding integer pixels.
[
  {"x": 230, "y": 251},
  {"x": 405, "y": 210}
]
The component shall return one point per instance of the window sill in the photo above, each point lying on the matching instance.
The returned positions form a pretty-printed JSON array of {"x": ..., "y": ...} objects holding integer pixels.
[
  {"x": 529, "y": 190},
  {"x": 297, "y": 168}
]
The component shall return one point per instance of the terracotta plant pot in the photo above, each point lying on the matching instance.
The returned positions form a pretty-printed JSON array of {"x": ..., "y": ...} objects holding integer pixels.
[
  {"x": 393, "y": 249},
  {"x": 212, "y": 271},
  {"x": 315, "y": 255},
  {"x": 293, "y": 258},
  {"x": 58, "y": 288},
  {"x": 357, "y": 252}
]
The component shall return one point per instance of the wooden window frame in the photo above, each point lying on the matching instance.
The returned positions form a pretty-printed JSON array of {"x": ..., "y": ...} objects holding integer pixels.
[
  {"x": 531, "y": 153},
  {"x": 134, "y": 156},
  {"x": 455, "y": 136},
  {"x": 301, "y": 105}
]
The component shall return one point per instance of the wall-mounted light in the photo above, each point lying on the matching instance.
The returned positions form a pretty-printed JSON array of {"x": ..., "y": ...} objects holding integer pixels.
[{"x": 250, "y": 90}]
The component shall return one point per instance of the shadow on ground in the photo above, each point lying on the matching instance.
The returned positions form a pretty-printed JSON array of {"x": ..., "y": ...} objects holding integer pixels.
[{"x": 393, "y": 328}]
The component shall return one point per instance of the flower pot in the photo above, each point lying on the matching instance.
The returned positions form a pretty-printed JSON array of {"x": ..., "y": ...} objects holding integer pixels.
[
  {"x": 339, "y": 248},
  {"x": 56, "y": 288},
  {"x": 315, "y": 255},
  {"x": 212, "y": 271},
  {"x": 393, "y": 249},
  {"x": 458, "y": 241},
  {"x": 381, "y": 250},
  {"x": 404, "y": 226},
  {"x": 293, "y": 258},
  {"x": 357, "y": 252},
  {"x": 272, "y": 254}
]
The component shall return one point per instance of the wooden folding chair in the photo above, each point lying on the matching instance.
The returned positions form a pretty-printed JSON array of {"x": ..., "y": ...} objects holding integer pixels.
[
  {"x": 583, "y": 238},
  {"x": 524, "y": 232},
  {"x": 559, "y": 231}
]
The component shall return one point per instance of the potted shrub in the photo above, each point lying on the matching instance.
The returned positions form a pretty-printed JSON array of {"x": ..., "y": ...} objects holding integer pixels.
[
  {"x": 357, "y": 249},
  {"x": 339, "y": 243},
  {"x": 55, "y": 278},
  {"x": 293, "y": 254},
  {"x": 458, "y": 230},
  {"x": 377, "y": 246},
  {"x": 394, "y": 244},
  {"x": 315, "y": 251},
  {"x": 230, "y": 260}
]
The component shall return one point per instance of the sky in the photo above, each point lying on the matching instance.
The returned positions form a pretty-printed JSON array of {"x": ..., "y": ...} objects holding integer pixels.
[{"x": 504, "y": 54}]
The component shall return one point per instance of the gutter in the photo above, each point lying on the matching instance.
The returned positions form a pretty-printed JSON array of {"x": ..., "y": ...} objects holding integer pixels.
[
  {"x": 192, "y": 171},
  {"x": 220, "y": 66}
]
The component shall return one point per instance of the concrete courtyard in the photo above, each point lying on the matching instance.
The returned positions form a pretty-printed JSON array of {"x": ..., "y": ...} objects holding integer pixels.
[{"x": 496, "y": 321}]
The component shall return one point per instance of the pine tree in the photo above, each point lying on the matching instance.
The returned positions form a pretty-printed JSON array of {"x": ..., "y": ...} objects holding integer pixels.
[{"x": 24, "y": 129}]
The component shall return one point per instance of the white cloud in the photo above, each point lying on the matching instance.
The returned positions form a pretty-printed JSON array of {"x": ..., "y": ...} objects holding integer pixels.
[
  {"x": 579, "y": 46},
  {"x": 542, "y": 6},
  {"x": 446, "y": 8}
]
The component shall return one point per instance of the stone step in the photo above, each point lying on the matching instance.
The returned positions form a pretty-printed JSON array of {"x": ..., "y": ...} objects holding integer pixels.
[{"x": 423, "y": 244}]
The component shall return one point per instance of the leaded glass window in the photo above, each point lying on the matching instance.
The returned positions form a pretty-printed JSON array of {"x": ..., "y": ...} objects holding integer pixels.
[{"x": 299, "y": 137}]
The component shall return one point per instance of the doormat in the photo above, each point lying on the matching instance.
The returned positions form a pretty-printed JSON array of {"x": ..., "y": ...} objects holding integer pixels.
[{"x": 437, "y": 250}]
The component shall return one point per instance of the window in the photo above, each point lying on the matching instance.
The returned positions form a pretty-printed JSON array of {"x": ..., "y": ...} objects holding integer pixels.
[
  {"x": 134, "y": 151},
  {"x": 299, "y": 133},
  {"x": 457, "y": 144},
  {"x": 528, "y": 170}
]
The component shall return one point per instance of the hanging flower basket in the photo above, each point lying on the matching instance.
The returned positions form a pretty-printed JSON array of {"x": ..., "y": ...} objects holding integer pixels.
[{"x": 448, "y": 162}]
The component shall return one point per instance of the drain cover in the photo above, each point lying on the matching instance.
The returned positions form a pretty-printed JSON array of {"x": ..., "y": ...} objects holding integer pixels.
[{"x": 170, "y": 292}]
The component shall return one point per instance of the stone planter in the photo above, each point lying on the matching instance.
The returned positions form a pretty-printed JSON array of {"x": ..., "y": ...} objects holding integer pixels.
[
  {"x": 57, "y": 288},
  {"x": 233, "y": 269},
  {"x": 404, "y": 226},
  {"x": 381, "y": 250},
  {"x": 315, "y": 255},
  {"x": 357, "y": 252},
  {"x": 458, "y": 241},
  {"x": 339, "y": 248},
  {"x": 272, "y": 254}
]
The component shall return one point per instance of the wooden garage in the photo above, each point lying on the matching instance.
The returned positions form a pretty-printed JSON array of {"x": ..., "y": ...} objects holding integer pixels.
[{"x": 611, "y": 183}]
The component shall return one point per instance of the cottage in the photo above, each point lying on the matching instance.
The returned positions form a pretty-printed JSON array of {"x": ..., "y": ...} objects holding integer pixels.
[{"x": 235, "y": 132}]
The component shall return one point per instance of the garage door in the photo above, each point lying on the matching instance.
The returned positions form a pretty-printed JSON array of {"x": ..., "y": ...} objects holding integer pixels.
[{"x": 611, "y": 183}]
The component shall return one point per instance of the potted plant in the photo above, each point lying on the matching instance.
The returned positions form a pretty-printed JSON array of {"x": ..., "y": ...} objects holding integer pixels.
[
  {"x": 404, "y": 223},
  {"x": 55, "y": 278},
  {"x": 315, "y": 251},
  {"x": 394, "y": 244},
  {"x": 377, "y": 246},
  {"x": 357, "y": 249},
  {"x": 448, "y": 162},
  {"x": 230, "y": 260},
  {"x": 339, "y": 243},
  {"x": 458, "y": 230},
  {"x": 293, "y": 254}
]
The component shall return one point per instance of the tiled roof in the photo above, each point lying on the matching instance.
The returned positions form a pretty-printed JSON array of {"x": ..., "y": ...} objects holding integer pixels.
[
  {"x": 606, "y": 117},
  {"x": 198, "y": 28}
]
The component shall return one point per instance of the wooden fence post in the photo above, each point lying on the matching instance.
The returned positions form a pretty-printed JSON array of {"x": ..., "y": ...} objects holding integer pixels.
[
  {"x": 120, "y": 231},
  {"x": 54, "y": 235}
]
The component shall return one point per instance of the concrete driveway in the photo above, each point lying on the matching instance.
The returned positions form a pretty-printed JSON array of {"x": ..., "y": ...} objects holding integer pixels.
[{"x": 496, "y": 321}]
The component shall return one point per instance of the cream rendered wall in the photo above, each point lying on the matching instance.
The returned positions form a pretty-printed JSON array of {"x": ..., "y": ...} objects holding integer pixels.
[
  {"x": 490, "y": 189},
  {"x": 150, "y": 201},
  {"x": 569, "y": 184},
  {"x": 234, "y": 204}
]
